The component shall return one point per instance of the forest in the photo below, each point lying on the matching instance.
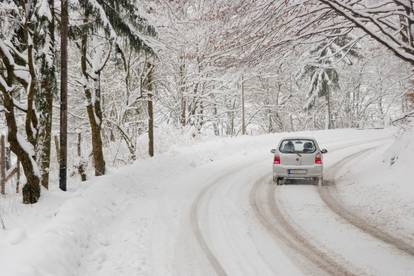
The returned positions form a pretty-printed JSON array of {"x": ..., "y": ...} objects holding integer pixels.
[{"x": 89, "y": 85}]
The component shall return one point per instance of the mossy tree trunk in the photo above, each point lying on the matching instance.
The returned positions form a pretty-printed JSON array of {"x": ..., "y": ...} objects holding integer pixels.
[
  {"x": 93, "y": 108},
  {"x": 44, "y": 102}
]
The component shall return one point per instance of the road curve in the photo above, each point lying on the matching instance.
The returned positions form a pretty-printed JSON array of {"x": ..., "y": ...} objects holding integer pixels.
[{"x": 262, "y": 198}]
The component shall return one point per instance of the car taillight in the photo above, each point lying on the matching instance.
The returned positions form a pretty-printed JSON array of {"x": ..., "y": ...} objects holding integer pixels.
[
  {"x": 318, "y": 159},
  {"x": 276, "y": 159}
]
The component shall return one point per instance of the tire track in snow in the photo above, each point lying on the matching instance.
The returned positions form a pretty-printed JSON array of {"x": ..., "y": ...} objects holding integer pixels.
[
  {"x": 321, "y": 260},
  {"x": 216, "y": 265},
  {"x": 195, "y": 223},
  {"x": 272, "y": 218},
  {"x": 327, "y": 192}
]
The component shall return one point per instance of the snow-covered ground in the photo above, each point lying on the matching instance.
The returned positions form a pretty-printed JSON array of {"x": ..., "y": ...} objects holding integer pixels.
[
  {"x": 189, "y": 211},
  {"x": 380, "y": 186}
]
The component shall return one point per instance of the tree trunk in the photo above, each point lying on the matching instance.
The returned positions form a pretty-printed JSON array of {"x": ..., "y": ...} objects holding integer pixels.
[
  {"x": 31, "y": 122},
  {"x": 3, "y": 166},
  {"x": 98, "y": 157},
  {"x": 63, "y": 95},
  {"x": 270, "y": 129},
  {"x": 150, "y": 92},
  {"x": 329, "y": 123},
  {"x": 22, "y": 147},
  {"x": 243, "y": 127},
  {"x": 45, "y": 105},
  {"x": 292, "y": 127},
  {"x": 183, "y": 119},
  {"x": 200, "y": 117},
  {"x": 31, "y": 190},
  {"x": 45, "y": 138},
  {"x": 56, "y": 139},
  {"x": 215, "y": 123},
  {"x": 81, "y": 165},
  {"x": 8, "y": 158},
  {"x": 94, "y": 110}
]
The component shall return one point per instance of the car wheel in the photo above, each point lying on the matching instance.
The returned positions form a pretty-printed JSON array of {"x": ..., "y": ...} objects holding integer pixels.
[
  {"x": 280, "y": 181},
  {"x": 320, "y": 181}
]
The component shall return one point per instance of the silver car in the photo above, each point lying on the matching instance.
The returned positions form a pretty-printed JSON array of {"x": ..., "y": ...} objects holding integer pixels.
[{"x": 298, "y": 158}]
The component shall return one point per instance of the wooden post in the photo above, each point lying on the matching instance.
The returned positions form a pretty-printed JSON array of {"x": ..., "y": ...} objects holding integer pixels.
[{"x": 2, "y": 165}]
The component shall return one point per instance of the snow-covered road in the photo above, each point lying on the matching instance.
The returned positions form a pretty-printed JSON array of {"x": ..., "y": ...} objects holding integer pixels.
[
  {"x": 298, "y": 221},
  {"x": 213, "y": 210},
  {"x": 236, "y": 222},
  {"x": 340, "y": 248}
]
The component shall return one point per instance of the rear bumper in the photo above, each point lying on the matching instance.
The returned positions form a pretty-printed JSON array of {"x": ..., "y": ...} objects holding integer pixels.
[{"x": 285, "y": 171}]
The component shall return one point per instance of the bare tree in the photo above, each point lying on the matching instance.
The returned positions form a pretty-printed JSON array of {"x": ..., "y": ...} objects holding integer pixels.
[{"x": 390, "y": 22}]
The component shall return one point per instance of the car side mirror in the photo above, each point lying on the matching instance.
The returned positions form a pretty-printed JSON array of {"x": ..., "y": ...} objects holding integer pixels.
[
  {"x": 273, "y": 151},
  {"x": 324, "y": 151}
]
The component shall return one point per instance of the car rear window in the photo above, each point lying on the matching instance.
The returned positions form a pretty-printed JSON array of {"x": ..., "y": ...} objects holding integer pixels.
[{"x": 297, "y": 146}]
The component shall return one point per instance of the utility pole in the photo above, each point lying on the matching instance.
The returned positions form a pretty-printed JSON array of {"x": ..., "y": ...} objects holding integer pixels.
[
  {"x": 242, "y": 107},
  {"x": 63, "y": 95}
]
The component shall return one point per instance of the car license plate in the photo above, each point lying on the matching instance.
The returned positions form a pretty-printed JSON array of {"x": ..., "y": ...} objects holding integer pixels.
[{"x": 297, "y": 171}]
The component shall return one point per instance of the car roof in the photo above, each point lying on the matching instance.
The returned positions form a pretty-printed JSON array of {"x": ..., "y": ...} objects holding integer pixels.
[{"x": 298, "y": 138}]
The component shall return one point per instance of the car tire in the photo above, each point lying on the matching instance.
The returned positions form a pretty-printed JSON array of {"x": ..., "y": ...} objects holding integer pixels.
[
  {"x": 280, "y": 181},
  {"x": 320, "y": 181}
]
